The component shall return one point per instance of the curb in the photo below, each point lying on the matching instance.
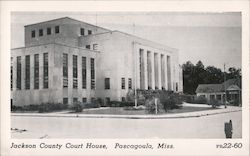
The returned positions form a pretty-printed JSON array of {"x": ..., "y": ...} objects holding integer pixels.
[{"x": 169, "y": 116}]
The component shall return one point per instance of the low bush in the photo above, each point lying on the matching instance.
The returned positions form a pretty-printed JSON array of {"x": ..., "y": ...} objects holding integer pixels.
[
  {"x": 151, "y": 107},
  {"x": 50, "y": 107},
  {"x": 200, "y": 100},
  {"x": 214, "y": 103},
  {"x": 77, "y": 107},
  {"x": 170, "y": 101},
  {"x": 93, "y": 104}
]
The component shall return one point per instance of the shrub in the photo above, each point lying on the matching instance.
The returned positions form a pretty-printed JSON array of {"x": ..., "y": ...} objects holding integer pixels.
[
  {"x": 50, "y": 107},
  {"x": 93, "y": 104},
  {"x": 200, "y": 100},
  {"x": 151, "y": 107},
  {"x": 77, "y": 107},
  {"x": 214, "y": 103},
  {"x": 170, "y": 101}
]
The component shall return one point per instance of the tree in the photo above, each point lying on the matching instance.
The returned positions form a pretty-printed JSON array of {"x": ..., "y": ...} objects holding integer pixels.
[{"x": 233, "y": 73}]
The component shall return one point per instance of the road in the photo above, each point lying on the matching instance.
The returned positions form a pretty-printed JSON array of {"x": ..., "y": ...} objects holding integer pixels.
[{"x": 211, "y": 126}]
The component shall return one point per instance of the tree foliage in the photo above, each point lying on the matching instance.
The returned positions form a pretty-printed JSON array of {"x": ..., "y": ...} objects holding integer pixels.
[{"x": 193, "y": 75}]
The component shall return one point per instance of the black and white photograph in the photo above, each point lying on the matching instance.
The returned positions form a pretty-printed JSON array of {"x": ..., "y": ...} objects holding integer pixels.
[
  {"x": 91, "y": 75},
  {"x": 110, "y": 76}
]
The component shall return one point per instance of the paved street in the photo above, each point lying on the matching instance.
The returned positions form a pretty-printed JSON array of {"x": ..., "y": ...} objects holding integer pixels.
[{"x": 211, "y": 126}]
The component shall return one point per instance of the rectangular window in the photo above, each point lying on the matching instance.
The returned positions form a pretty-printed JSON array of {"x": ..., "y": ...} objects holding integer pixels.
[
  {"x": 45, "y": 70},
  {"x": 82, "y": 31},
  {"x": 84, "y": 100},
  {"x": 74, "y": 71},
  {"x": 65, "y": 101},
  {"x": 40, "y": 32},
  {"x": 89, "y": 32},
  {"x": 11, "y": 73},
  {"x": 36, "y": 71},
  {"x": 19, "y": 73},
  {"x": 48, "y": 31},
  {"x": 33, "y": 33},
  {"x": 27, "y": 72},
  {"x": 87, "y": 46},
  {"x": 75, "y": 100},
  {"x": 65, "y": 70},
  {"x": 95, "y": 46},
  {"x": 92, "y": 72},
  {"x": 107, "y": 83},
  {"x": 84, "y": 72},
  {"x": 123, "y": 83},
  {"x": 57, "y": 29},
  {"x": 129, "y": 83}
]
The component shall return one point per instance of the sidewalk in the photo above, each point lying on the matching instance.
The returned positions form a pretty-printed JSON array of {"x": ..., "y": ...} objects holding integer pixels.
[{"x": 153, "y": 116}]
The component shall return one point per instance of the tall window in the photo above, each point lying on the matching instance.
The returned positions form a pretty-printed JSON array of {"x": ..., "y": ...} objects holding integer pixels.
[
  {"x": 89, "y": 32},
  {"x": 123, "y": 83},
  {"x": 33, "y": 33},
  {"x": 129, "y": 83},
  {"x": 45, "y": 70},
  {"x": 92, "y": 72},
  {"x": 40, "y": 32},
  {"x": 57, "y": 29},
  {"x": 48, "y": 31},
  {"x": 65, "y": 70},
  {"x": 36, "y": 71},
  {"x": 82, "y": 31},
  {"x": 11, "y": 73},
  {"x": 27, "y": 72},
  {"x": 107, "y": 83},
  {"x": 19, "y": 73},
  {"x": 84, "y": 73},
  {"x": 74, "y": 71}
]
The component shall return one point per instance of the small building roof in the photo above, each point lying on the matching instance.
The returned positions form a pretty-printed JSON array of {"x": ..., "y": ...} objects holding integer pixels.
[
  {"x": 209, "y": 88},
  {"x": 231, "y": 84}
]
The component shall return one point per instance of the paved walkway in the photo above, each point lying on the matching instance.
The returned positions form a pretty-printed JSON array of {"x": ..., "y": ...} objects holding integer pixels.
[{"x": 153, "y": 116}]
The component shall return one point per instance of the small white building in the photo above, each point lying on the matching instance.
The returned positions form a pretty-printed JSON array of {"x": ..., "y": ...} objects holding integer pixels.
[
  {"x": 66, "y": 60},
  {"x": 217, "y": 91}
]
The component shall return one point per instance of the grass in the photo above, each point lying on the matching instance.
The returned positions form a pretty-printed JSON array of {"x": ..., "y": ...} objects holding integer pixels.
[{"x": 122, "y": 111}]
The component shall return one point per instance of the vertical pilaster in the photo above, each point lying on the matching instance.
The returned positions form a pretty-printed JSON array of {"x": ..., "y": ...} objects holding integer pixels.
[
  {"x": 156, "y": 71},
  {"x": 165, "y": 71},
  {"x": 159, "y": 71},
  {"x": 152, "y": 70},
  {"x": 145, "y": 64}
]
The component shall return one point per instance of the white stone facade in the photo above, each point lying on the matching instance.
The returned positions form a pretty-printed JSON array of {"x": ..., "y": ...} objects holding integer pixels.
[{"x": 126, "y": 61}]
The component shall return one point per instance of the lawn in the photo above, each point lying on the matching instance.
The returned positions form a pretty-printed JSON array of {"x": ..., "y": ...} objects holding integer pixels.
[{"x": 122, "y": 111}]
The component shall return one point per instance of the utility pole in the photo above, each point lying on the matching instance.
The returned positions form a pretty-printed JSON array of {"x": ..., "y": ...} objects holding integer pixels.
[{"x": 225, "y": 97}]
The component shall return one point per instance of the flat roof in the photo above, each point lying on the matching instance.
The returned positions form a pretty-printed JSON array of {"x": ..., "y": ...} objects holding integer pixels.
[{"x": 65, "y": 18}]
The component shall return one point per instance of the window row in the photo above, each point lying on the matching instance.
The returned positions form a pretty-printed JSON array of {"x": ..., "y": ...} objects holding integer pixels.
[
  {"x": 94, "y": 46},
  {"x": 83, "y": 100},
  {"x": 76, "y": 100},
  {"x": 123, "y": 83},
  {"x": 75, "y": 72},
  {"x": 48, "y": 31},
  {"x": 82, "y": 32},
  {"x": 27, "y": 72}
]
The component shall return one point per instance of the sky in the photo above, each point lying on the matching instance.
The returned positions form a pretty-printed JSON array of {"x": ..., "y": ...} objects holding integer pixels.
[{"x": 213, "y": 38}]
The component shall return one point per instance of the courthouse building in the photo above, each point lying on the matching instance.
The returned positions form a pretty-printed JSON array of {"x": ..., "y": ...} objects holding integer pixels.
[{"x": 66, "y": 60}]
